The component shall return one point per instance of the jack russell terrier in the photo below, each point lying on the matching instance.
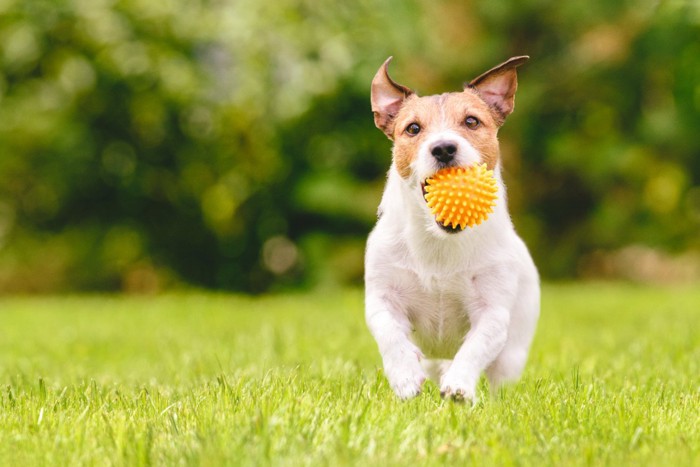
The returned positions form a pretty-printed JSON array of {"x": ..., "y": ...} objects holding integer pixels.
[{"x": 443, "y": 302}]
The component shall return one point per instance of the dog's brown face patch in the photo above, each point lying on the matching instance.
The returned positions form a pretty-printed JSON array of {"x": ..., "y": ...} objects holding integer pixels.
[{"x": 443, "y": 112}]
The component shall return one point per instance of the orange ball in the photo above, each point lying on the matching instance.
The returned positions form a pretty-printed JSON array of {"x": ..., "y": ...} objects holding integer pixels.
[{"x": 461, "y": 197}]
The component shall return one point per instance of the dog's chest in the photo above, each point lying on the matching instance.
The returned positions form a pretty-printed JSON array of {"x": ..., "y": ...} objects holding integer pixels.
[{"x": 439, "y": 317}]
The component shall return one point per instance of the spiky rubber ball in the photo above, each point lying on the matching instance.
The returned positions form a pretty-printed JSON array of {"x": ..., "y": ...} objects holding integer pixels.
[{"x": 461, "y": 196}]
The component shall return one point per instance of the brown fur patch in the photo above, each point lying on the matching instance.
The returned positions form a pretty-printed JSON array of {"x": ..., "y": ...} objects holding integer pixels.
[{"x": 445, "y": 111}]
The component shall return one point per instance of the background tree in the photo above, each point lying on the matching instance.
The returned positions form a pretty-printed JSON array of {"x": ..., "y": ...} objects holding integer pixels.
[{"x": 231, "y": 145}]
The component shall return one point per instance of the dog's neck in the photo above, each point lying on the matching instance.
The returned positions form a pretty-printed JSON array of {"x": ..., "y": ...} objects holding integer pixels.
[{"x": 433, "y": 249}]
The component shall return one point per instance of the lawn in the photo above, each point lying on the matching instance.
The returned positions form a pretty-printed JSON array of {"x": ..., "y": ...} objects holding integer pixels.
[{"x": 207, "y": 379}]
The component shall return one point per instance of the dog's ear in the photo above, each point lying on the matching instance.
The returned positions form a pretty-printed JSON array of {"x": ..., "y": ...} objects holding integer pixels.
[
  {"x": 498, "y": 85},
  {"x": 387, "y": 98}
]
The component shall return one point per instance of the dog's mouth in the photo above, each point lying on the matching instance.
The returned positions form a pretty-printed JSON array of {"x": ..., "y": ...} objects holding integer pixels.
[{"x": 446, "y": 228}]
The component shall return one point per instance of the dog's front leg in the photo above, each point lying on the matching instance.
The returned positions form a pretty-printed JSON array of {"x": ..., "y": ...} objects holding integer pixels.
[
  {"x": 401, "y": 358},
  {"x": 489, "y": 305}
]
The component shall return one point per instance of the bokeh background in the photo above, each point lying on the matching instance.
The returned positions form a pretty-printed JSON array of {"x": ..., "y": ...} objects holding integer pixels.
[{"x": 149, "y": 144}]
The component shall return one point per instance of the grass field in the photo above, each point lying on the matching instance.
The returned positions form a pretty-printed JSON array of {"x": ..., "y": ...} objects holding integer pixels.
[{"x": 202, "y": 379}]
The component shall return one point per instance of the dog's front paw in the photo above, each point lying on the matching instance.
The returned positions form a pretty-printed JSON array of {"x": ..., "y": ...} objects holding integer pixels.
[
  {"x": 458, "y": 389},
  {"x": 405, "y": 373}
]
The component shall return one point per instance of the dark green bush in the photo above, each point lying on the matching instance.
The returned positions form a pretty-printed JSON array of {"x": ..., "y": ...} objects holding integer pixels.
[{"x": 230, "y": 144}]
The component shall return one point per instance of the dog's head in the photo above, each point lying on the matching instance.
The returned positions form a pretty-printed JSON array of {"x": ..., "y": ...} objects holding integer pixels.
[{"x": 451, "y": 129}]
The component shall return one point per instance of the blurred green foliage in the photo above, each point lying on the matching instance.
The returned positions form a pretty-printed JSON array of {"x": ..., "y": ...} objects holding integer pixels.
[{"x": 230, "y": 144}]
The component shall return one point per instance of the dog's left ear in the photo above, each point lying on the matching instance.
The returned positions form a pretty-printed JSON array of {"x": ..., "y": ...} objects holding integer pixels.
[
  {"x": 498, "y": 85},
  {"x": 387, "y": 99}
]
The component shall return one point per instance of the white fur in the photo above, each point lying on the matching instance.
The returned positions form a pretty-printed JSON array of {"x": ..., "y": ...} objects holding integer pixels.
[{"x": 467, "y": 301}]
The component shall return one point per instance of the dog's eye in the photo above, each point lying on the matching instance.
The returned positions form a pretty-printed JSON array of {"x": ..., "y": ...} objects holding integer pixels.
[
  {"x": 413, "y": 129},
  {"x": 471, "y": 122}
]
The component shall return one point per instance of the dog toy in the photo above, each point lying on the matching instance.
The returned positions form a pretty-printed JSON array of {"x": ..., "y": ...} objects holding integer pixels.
[{"x": 461, "y": 197}]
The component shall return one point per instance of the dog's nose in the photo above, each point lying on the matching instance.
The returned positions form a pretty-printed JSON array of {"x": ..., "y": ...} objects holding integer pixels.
[{"x": 444, "y": 151}]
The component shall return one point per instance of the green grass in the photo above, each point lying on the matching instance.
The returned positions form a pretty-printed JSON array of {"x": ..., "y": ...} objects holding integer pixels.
[{"x": 201, "y": 379}]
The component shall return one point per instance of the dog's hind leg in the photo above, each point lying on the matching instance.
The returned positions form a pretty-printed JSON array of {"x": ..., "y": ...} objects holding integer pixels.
[
  {"x": 509, "y": 364},
  {"x": 507, "y": 367}
]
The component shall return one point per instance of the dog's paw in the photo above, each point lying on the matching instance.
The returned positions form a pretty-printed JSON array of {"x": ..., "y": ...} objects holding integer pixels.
[
  {"x": 458, "y": 389},
  {"x": 405, "y": 374},
  {"x": 407, "y": 385}
]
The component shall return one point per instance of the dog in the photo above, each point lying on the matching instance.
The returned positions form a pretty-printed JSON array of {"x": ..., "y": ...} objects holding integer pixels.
[{"x": 442, "y": 302}]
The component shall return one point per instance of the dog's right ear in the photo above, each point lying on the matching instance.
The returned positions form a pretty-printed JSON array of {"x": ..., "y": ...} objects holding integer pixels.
[{"x": 387, "y": 98}]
